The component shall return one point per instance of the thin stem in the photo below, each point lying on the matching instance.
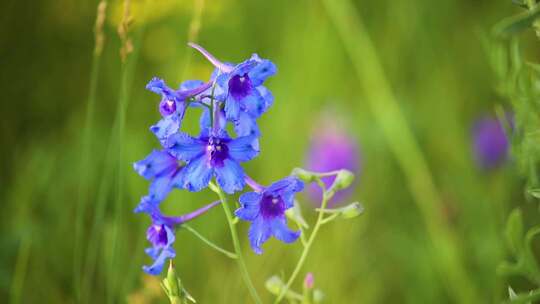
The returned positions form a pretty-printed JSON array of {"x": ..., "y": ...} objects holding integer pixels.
[
  {"x": 236, "y": 243},
  {"x": 330, "y": 218},
  {"x": 209, "y": 243},
  {"x": 326, "y": 197}
]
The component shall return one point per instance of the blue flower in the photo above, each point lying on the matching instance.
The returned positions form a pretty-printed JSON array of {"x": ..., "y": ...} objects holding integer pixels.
[
  {"x": 213, "y": 153},
  {"x": 163, "y": 170},
  {"x": 266, "y": 212},
  {"x": 161, "y": 233},
  {"x": 173, "y": 104},
  {"x": 242, "y": 84}
]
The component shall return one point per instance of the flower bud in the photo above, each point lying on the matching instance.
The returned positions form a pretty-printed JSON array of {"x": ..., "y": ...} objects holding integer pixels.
[
  {"x": 304, "y": 175},
  {"x": 351, "y": 210},
  {"x": 274, "y": 285},
  {"x": 344, "y": 179}
]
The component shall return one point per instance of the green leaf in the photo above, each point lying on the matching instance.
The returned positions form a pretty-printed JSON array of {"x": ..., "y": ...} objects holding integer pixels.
[
  {"x": 515, "y": 24},
  {"x": 514, "y": 231}
]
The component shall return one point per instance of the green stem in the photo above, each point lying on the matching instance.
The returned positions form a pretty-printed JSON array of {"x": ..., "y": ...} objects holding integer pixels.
[
  {"x": 236, "y": 243},
  {"x": 307, "y": 247},
  {"x": 209, "y": 243}
]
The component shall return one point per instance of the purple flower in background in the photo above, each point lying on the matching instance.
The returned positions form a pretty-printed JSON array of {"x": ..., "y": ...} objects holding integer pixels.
[
  {"x": 490, "y": 143},
  {"x": 161, "y": 233},
  {"x": 163, "y": 170},
  {"x": 173, "y": 104},
  {"x": 266, "y": 212},
  {"x": 332, "y": 148},
  {"x": 213, "y": 153},
  {"x": 242, "y": 86}
]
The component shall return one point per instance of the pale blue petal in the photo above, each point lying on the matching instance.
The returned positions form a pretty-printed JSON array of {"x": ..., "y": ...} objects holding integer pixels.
[
  {"x": 282, "y": 232},
  {"x": 242, "y": 148},
  {"x": 155, "y": 164},
  {"x": 166, "y": 127},
  {"x": 230, "y": 176},
  {"x": 259, "y": 232},
  {"x": 197, "y": 174},
  {"x": 185, "y": 147},
  {"x": 157, "y": 266}
]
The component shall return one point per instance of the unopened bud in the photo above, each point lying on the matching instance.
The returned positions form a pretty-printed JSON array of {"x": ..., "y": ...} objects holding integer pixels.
[
  {"x": 344, "y": 179},
  {"x": 274, "y": 285},
  {"x": 351, "y": 210},
  {"x": 304, "y": 175}
]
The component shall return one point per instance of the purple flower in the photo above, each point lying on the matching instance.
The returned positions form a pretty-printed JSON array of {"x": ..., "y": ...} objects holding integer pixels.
[
  {"x": 161, "y": 233},
  {"x": 490, "y": 143},
  {"x": 173, "y": 104},
  {"x": 332, "y": 148},
  {"x": 242, "y": 87},
  {"x": 163, "y": 170},
  {"x": 266, "y": 212},
  {"x": 213, "y": 153}
]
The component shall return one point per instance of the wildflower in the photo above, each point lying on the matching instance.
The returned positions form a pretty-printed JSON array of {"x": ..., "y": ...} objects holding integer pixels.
[
  {"x": 213, "y": 153},
  {"x": 490, "y": 143},
  {"x": 242, "y": 85},
  {"x": 173, "y": 104},
  {"x": 332, "y": 148},
  {"x": 161, "y": 233},
  {"x": 266, "y": 211},
  {"x": 309, "y": 281},
  {"x": 163, "y": 170}
]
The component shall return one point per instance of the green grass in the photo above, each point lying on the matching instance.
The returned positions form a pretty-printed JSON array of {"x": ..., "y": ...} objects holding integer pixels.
[{"x": 409, "y": 78}]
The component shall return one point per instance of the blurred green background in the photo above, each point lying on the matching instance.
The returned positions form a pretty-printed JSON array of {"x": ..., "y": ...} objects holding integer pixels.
[{"x": 432, "y": 55}]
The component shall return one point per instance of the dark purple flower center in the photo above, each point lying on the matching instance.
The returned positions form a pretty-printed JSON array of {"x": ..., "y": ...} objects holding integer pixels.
[
  {"x": 157, "y": 235},
  {"x": 272, "y": 206},
  {"x": 239, "y": 86},
  {"x": 167, "y": 107},
  {"x": 217, "y": 151}
]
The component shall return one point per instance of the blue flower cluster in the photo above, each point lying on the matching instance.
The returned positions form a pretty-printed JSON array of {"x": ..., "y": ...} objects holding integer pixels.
[{"x": 234, "y": 94}]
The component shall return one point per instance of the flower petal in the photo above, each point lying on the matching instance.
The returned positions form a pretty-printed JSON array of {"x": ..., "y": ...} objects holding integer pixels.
[
  {"x": 197, "y": 174},
  {"x": 185, "y": 147},
  {"x": 158, "y": 86},
  {"x": 242, "y": 148},
  {"x": 282, "y": 232},
  {"x": 264, "y": 69},
  {"x": 232, "y": 108},
  {"x": 166, "y": 127},
  {"x": 157, "y": 266},
  {"x": 230, "y": 176},
  {"x": 246, "y": 125},
  {"x": 249, "y": 206},
  {"x": 156, "y": 164},
  {"x": 259, "y": 232}
]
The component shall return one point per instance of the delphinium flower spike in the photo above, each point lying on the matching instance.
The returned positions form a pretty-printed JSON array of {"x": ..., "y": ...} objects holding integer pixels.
[
  {"x": 213, "y": 153},
  {"x": 266, "y": 212},
  {"x": 161, "y": 233}
]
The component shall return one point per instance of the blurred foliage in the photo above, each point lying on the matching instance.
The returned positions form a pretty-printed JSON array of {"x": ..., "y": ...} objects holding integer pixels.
[{"x": 433, "y": 57}]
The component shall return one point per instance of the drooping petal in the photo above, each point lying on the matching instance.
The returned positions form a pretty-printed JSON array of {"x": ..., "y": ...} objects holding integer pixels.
[
  {"x": 156, "y": 164},
  {"x": 185, "y": 147},
  {"x": 242, "y": 148},
  {"x": 146, "y": 205},
  {"x": 152, "y": 252},
  {"x": 166, "y": 127},
  {"x": 264, "y": 69},
  {"x": 259, "y": 232},
  {"x": 161, "y": 186},
  {"x": 282, "y": 232},
  {"x": 232, "y": 108},
  {"x": 230, "y": 176},
  {"x": 246, "y": 125},
  {"x": 197, "y": 174},
  {"x": 249, "y": 206},
  {"x": 157, "y": 266},
  {"x": 254, "y": 103}
]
